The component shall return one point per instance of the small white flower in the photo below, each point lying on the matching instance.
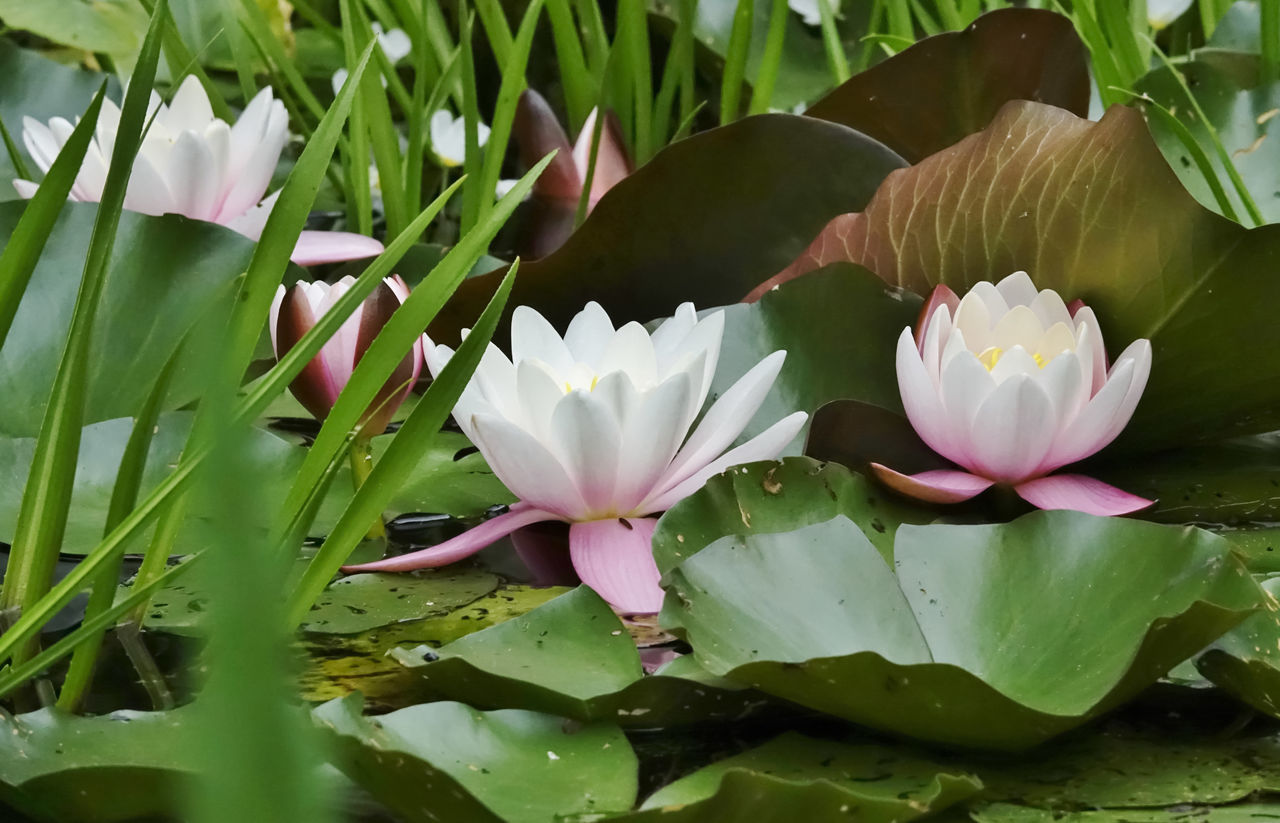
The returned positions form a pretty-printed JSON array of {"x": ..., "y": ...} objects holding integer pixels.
[
  {"x": 1161, "y": 13},
  {"x": 810, "y": 12},
  {"x": 449, "y": 138},
  {"x": 395, "y": 44}
]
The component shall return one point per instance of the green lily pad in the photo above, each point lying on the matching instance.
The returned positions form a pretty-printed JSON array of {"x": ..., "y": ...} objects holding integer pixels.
[
  {"x": 62, "y": 768},
  {"x": 145, "y": 311},
  {"x": 101, "y": 447},
  {"x": 794, "y": 777},
  {"x": 1241, "y": 813},
  {"x": 946, "y": 87},
  {"x": 447, "y": 761},
  {"x": 1246, "y": 660},
  {"x": 337, "y": 665},
  {"x": 839, "y": 327},
  {"x": 1106, "y": 221},
  {"x": 779, "y": 497},
  {"x": 350, "y": 605},
  {"x": 114, "y": 27},
  {"x": 705, "y": 220},
  {"x": 1258, "y": 545},
  {"x": 1128, "y": 770},
  {"x": 35, "y": 86},
  {"x": 1245, "y": 119},
  {"x": 573, "y": 657},
  {"x": 997, "y": 636}
]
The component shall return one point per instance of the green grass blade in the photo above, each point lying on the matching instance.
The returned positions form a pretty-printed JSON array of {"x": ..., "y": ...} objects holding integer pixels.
[
  {"x": 414, "y": 439},
  {"x": 472, "y": 195},
  {"x": 735, "y": 62},
  {"x": 579, "y": 85},
  {"x": 1270, "y": 39},
  {"x": 633, "y": 33},
  {"x": 837, "y": 61},
  {"x": 504, "y": 113},
  {"x": 15, "y": 156},
  {"x": 255, "y": 23},
  {"x": 494, "y": 21},
  {"x": 46, "y": 497},
  {"x": 124, "y": 497},
  {"x": 678, "y": 67},
  {"x": 771, "y": 60},
  {"x": 22, "y": 252},
  {"x": 93, "y": 625}
]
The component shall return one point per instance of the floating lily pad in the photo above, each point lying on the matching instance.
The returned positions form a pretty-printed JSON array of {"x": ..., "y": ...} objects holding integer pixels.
[
  {"x": 838, "y": 327},
  {"x": 997, "y": 636},
  {"x": 705, "y": 220},
  {"x": 794, "y": 777},
  {"x": 1106, "y": 221},
  {"x": 447, "y": 761},
  {"x": 946, "y": 87},
  {"x": 1241, "y": 813},
  {"x": 101, "y": 447},
  {"x": 123, "y": 766},
  {"x": 1245, "y": 119},
  {"x": 337, "y": 665},
  {"x": 1246, "y": 660},
  {"x": 350, "y": 605},
  {"x": 573, "y": 657},
  {"x": 779, "y": 497},
  {"x": 165, "y": 274},
  {"x": 35, "y": 86}
]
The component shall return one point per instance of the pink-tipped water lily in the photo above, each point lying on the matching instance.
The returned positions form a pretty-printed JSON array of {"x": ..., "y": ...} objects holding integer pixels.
[
  {"x": 1010, "y": 383},
  {"x": 194, "y": 164},
  {"x": 297, "y": 309},
  {"x": 538, "y": 131},
  {"x": 590, "y": 429}
]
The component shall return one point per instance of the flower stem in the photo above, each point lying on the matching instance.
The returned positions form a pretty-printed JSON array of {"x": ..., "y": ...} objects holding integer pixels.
[{"x": 361, "y": 465}]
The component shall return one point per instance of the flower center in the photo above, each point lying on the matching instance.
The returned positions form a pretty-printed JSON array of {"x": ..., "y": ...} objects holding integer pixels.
[
  {"x": 569, "y": 384},
  {"x": 992, "y": 354}
]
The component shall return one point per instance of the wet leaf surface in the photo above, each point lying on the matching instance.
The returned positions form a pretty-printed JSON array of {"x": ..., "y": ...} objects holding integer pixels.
[
  {"x": 997, "y": 636},
  {"x": 1246, "y": 660},
  {"x": 447, "y": 761}
]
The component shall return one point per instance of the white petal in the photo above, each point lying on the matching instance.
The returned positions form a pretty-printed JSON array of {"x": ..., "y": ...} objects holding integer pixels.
[
  {"x": 1018, "y": 327},
  {"x": 193, "y": 178},
  {"x": 726, "y": 419},
  {"x": 651, "y": 436},
  {"x": 973, "y": 321},
  {"x": 920, "y": 396},
  {"x": 1015, "y": 361},
  {"x": 537, "y": 395},
  {"x": 1013, "y": 431},
  {"x": 588, "y": 333},
  {"x": 395, "y": 44},
  {"x": 764, "y": 446},
  {"x": 526, "y": 467},
  {"x": 1017, "y": 289},
  {"x": 190, "y": 108},
  {"x": 631, "y": 350},
  {"x": 1087, "y": 329},
  {"x": 1050, "y": 308},
  {"x": 588, "y": 440},
  {"x": 533, "y": 337},
  {"x": 964, "y": 387}
]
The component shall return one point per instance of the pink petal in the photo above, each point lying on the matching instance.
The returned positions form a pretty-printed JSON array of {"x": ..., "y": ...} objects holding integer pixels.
[
  {"x": 316, "y": 247},
  {"x": 941, "y": 295},
  {"x": 938, "y": 486},
  {"x": 615, "y": 558},
  {"x": 1081, "y": 493},
  {"x": 462, "y": 546}
]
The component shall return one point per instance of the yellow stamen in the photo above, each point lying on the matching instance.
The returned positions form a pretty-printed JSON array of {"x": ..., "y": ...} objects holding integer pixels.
[{"x": 991, "y": 355}]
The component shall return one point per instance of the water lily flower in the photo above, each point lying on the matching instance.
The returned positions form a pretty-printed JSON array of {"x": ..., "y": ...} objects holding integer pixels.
[
  {"x": 449, "y": 138},
  {"x": 590, "y": 429},
  {"x": 296, "y": 310},
  {"x": 395, "y": 44},
  {"x": 194, "y": 164},
  {"x": 538, "y": 132},
  {"x": 1160, "y": 13},
  {"x": 810, "y": 12},
  {"x": 1012, "y": 384}
]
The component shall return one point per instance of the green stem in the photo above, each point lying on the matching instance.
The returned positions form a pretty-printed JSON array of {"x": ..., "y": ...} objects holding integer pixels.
[{"x": 361, "y": 457}]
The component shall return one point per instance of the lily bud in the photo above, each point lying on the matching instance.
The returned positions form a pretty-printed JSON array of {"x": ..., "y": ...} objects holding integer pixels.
[
  {"x": 1011, "y": 384},
  {"x": 296, "y": 310}
]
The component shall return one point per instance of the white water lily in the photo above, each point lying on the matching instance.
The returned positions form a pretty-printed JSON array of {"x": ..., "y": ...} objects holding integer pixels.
[
  {"x": 449, "y": 138},
  {"x": 1012, "y": 384},
  {"x": 810, "y": 12},
  {"x": 395, "y": 44},
  {"x": 1160, "y": 13},
  {"x": 593, "y": 429},
  {"x": 194, "y": 164}
]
